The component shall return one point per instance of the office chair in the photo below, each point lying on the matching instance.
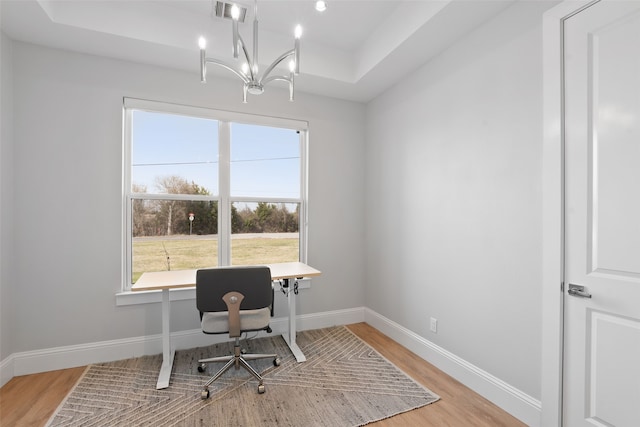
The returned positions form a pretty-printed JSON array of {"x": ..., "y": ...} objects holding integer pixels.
[{"x": 234, "y": 300}]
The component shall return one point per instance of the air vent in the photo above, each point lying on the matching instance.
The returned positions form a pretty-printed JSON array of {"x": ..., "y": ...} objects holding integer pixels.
[{"x": 223, "y": 10}]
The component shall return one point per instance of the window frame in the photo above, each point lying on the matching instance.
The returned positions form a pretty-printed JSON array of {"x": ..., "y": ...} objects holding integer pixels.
[{"x": 223, "y": 197}]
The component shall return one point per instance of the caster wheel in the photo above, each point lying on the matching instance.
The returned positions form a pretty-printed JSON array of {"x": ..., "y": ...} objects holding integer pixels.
[
  {"x": 260, "y": 388},
  {"x": 204, "y": 394},
  {"x": 202, "y": 368},
  {"x": 276, "y": 361}
]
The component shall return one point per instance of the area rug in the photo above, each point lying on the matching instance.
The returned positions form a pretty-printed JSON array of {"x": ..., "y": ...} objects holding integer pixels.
[{"x": 344, "y": 382}]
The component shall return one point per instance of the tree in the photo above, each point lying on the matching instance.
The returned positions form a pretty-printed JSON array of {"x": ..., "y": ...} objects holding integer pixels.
[
  {"x": 236, "y": 220},
  {"x": 167, "y": 217},
  {"x": 176, "y": 212},
  {"x": 265, "y": 218},
  {"x": 205, "y": 217}
]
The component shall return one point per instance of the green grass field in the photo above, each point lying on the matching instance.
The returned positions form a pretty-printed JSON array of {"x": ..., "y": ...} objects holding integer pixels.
[{"x": 190, "y": 253}]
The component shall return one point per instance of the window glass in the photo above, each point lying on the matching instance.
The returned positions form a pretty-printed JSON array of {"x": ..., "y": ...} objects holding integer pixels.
[
  {"x": 179, "y": 216},
  {"x": 169, "y": 146},
  {"x": 264, "y": 233},
  {"x": 173, "y": 235},
  {"x": 265, "y": 161}
]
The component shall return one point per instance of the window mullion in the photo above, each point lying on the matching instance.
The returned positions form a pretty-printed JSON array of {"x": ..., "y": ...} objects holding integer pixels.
[
  {"x": 171, "y": 196},
  {"x": 303, "y": 219},
  {"x": 224, "y": 182},
  {"x": 126, "y": 200}
]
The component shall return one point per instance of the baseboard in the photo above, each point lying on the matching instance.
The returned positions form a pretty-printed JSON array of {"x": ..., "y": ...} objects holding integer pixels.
[
  {"x": 31, "y": 362},
  {"x": 510, "y": 399},
  {"x": 6, "y": 370}
]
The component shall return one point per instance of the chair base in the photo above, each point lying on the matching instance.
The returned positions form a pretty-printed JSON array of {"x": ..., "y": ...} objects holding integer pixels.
[{"x": 237, "y": 359}]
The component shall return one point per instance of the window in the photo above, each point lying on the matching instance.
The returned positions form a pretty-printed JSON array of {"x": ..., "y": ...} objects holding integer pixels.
[{"x": 204, "y": 188}]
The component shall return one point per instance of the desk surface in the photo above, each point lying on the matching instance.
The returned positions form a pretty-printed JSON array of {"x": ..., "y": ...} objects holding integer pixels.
[{"x": 158, "y": 280}]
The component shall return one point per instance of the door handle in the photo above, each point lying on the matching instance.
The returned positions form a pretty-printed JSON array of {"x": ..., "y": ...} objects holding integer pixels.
[{"x": 578, "y": 291}]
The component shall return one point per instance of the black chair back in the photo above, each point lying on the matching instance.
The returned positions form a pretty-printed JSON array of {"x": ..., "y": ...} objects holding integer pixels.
[{"x": 254, "y": 282}]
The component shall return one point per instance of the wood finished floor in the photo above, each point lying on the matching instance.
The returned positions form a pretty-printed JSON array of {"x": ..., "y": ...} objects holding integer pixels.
[{"x": 31, "y": 399}]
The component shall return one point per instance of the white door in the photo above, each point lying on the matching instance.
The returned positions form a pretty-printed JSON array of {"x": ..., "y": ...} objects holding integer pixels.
[{"x": 601, "y": 384}]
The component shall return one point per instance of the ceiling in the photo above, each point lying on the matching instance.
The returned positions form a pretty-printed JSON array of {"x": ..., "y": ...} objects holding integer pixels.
[{"x": 354, "y": 50}]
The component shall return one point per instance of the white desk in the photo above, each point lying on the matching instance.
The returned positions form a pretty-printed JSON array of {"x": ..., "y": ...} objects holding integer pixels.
[{"x": 166, "y": 280}]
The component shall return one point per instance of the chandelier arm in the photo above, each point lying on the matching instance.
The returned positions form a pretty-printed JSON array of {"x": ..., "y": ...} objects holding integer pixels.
[
  {"x": 289, "y": 80},
  {"x": 274, "y": 78},
  {"x": 274, "y": 64},
  {"x": 246, "y": 56},
  {"x": 244, "y": 78}
]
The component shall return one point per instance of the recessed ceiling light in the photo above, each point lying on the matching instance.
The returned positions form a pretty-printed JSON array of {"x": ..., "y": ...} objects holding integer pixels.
[
  {"x": 223, "y": 9},
  {"x": 321, "y": 5}
]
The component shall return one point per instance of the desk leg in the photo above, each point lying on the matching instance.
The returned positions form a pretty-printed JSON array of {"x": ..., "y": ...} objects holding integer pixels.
[
  {"x": 290, "y": 337},
  {"x": 167, "y": 352}
]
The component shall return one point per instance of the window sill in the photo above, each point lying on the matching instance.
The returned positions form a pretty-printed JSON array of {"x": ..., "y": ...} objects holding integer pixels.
[{"x": 151, "y": 297}]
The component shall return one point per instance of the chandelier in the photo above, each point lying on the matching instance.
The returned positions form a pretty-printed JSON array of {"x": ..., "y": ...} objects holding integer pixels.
[{"x": 249, "y": 73}]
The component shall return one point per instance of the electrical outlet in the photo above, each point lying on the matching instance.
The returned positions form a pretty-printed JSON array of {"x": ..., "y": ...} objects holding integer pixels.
[{"x": 434, "y": 325}]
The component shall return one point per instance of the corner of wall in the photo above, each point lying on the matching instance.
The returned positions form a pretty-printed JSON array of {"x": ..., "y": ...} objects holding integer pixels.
[{"x": 6, "y": 194}]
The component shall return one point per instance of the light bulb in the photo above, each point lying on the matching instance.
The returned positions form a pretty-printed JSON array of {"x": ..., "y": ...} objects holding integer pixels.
[
  {"x": 235, "y": 12},
  {"x": 321, "y": 5},
  {"x": 298, "y": 31},
  {"x": 245, "y": 68},
  {"x": 292, "y": 65},
  {"x": 202, "y": 43}
]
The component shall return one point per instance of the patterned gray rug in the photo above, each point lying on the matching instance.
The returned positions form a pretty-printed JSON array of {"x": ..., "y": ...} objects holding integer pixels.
[{"x": 344, "y": 382}]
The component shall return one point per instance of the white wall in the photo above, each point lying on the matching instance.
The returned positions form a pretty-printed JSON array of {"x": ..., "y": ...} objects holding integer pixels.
[
  {"x": 453, "y": 199},
  {"x": 67, "y": 186},
  {"x": 6, "y": 194}
]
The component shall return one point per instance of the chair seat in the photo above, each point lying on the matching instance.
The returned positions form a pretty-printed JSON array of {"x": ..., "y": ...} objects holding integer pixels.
[{"x": 250, "y": 320}]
